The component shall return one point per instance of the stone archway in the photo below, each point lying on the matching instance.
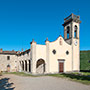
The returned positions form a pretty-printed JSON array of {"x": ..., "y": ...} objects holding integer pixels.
[
  {"x": 29, "y": 66},
  {"x": 25, "y": 65},
  {"x": 40, "y": 66},
  {"x": 22, "y": 65}
]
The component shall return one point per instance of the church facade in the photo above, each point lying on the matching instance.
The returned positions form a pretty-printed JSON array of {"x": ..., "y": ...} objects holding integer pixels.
[{"x": 62, "y": 55}]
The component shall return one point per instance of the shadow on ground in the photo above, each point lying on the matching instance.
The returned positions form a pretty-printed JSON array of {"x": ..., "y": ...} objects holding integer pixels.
[{"x": 5, "y": 85}]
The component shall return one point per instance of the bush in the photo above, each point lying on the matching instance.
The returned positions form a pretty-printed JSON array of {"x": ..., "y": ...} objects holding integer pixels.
[
  {"x": 0, "y": 74},
  {"x": 85, "y": 60}
]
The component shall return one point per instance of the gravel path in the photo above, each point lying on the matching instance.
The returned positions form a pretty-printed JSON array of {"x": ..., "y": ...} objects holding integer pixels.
[{"x": 43, "y": 83}]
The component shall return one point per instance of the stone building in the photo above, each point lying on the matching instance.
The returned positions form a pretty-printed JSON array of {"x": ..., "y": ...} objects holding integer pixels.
[
  {"x": 58, "y": 56},
  {"x": 8, "y": 60}
]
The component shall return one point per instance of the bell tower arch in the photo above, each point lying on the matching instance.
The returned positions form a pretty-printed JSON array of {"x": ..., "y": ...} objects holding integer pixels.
[{"x": 71, "y": 28}]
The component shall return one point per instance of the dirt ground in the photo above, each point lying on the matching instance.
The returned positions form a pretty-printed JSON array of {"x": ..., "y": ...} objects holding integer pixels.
[{"x": 14, "y": 82}]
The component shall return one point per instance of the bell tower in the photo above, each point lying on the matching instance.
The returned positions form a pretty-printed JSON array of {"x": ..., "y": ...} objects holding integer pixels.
[
  {"x": 71, "y": 36},
  {"x": 71, "y": 28}
]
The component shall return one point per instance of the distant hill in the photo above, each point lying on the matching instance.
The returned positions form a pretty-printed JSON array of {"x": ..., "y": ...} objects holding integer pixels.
[{"x": 85, "y": 60}]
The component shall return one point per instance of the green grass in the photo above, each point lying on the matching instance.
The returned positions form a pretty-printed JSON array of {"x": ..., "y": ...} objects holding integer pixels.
[
  {"x": 84, "y": 60},
  {"x": 19, "y": 73},
  {"x": 85, "y": 73},
  {"x": 78, "y": 77},
  {"x": 0, "y": 74}
]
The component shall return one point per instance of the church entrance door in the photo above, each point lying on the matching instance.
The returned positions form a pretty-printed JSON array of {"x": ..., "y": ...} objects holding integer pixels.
[{"x": 61, "y": 67}]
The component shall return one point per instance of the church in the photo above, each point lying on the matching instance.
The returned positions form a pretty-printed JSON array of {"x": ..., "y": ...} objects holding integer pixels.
[{"x": 61, "y": 55}]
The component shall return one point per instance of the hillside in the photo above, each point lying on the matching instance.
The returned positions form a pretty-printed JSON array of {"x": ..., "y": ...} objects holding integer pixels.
[{"x": 85, "y": 60}]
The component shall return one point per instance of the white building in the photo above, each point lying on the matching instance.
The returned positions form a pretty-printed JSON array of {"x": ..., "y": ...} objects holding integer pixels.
[{"x": 58, "y": 56}]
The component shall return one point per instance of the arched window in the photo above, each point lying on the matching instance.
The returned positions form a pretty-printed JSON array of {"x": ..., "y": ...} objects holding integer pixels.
[
  {"x": 8, "y": 65},
  {"x": 68, "y": 31},
  {"x": 75, "y": 31}
]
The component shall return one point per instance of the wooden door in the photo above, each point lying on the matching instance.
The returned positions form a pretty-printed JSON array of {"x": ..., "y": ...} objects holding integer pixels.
[
  {"x": 8, "y": 69},
  {"x": 61, "y": 67}
]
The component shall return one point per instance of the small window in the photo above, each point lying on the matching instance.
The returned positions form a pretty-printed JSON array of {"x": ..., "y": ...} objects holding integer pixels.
[
  {"x": 67, "y": 52},
  {"x": 28, "y": 53},
  {"x": 8, "y": 57},
  {"x": 8, "y": 65},
  {"x": 23, "y": 53},
  {"x": 54, "y": 51}
]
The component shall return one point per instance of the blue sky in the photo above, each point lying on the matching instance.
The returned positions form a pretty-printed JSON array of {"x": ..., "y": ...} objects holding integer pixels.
[{"x": 23, "y": 20}]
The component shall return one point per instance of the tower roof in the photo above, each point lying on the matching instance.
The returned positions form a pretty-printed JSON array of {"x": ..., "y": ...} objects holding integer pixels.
[{"x": 70, "y": 18}]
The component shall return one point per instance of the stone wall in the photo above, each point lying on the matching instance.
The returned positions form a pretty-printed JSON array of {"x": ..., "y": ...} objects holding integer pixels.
[{"x": 4, "y": 62}]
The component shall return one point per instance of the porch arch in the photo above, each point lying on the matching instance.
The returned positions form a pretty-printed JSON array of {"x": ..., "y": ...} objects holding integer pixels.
[
  {"x": 29, "y": 65},
  {"x": 23, "y": 65},
  {"x": 40, "y": 66}
]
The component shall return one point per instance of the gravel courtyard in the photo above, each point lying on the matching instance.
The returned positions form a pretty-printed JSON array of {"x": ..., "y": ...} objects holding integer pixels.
[{"x": 14, "y": 82}]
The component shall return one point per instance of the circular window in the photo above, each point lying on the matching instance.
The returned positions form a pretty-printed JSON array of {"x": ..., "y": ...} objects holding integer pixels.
[
  {"x": 54, "y": 51},
  {"x": 67, "y": 52}
]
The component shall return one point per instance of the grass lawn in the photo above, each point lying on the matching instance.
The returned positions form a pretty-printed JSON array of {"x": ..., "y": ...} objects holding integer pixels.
[
  {"x": 85, "y": 73},
  {"x": 78, "y": 77},
  {"x": 19, "y": 73}
]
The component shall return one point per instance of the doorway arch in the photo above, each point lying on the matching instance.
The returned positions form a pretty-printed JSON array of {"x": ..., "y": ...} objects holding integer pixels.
[
  {"x": 40, "y": 66},
  {"x": 8, "y": 68}
]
